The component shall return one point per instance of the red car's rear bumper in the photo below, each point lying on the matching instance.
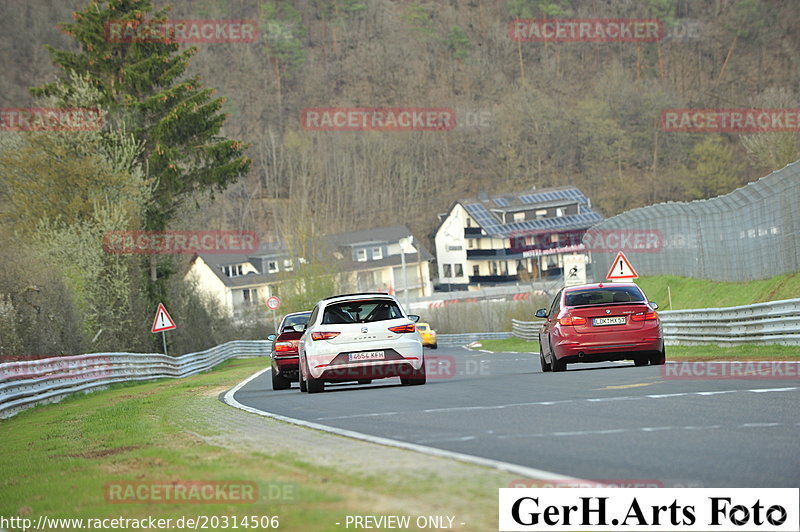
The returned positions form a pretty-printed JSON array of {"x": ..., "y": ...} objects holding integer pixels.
[{"x": 606, "y": 345}]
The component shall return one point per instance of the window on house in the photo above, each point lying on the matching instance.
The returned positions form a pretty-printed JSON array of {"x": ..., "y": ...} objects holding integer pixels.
[
  {"x": 541, "y": 213},
  {"x": 561, "y": 211},
  {"x": 459, "y": 270},
  {"x": 250, "y": 296},
  {"x": 272, "y": 266},
  {"x": 447, "y": 270},
  {"x": 476, "y": 270},
  {"x": 519, "y": 216},
  {"x": 493, "y": 268},
  {"x": 470, "y": 244},
  {"x": 469, "y": 222},
  {"x": 232, "y": 270},
  {"x": 377, "y": 253},
  {"x": 361, "y": 255},
  {"x": 287, "y": 265}
]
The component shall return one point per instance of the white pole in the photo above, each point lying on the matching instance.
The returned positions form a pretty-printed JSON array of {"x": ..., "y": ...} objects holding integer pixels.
[{"x": 164, "y": 340}]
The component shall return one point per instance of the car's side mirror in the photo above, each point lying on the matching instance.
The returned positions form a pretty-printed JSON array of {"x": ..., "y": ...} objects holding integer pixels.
[
  {"x": 299, "y": 328},
  {"x": 413, "y": 317},
  {"x": 271, "y": 337},
  {"x": 654, "y": 305},
  {"x": 541, "y": 313}
]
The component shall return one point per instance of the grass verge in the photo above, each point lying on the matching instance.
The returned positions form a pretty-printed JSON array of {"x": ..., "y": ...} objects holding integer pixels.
[
  {"x": 58, "y": 461},
  {"x": 699, "y": 293},
  {"x": 677, "y": 352}
]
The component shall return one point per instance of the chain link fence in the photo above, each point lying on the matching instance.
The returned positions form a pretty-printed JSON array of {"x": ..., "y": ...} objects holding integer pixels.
[{"x": 750, "y": 233}]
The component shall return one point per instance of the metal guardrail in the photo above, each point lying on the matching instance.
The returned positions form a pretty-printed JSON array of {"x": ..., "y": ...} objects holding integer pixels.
[
  {"x": 27, "y": 383},
  {"x": 775, "y": 322},
  {"x": 467, "y": 338},
  {"x": 527, "y": 330}
]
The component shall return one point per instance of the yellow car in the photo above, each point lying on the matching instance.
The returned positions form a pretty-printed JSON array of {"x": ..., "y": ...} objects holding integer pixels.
[{"x": 428, "y": 335}]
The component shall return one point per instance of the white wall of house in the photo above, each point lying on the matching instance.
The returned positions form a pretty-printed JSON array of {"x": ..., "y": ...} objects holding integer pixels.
[
  {"x": 451, "y": 247},
  {"x": 208, "y": 283}
]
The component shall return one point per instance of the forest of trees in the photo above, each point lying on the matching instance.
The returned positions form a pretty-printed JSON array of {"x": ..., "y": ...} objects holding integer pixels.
[{"x": 582, "y": 114}]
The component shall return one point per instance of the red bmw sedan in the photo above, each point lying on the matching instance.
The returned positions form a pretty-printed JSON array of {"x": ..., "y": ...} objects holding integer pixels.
[{"x": 599, "y": 323}]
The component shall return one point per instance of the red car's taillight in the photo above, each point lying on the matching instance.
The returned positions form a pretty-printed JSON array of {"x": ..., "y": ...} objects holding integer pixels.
[
  {"x": 644, "y": 316},
  {"x": 324, "y": 335},
  {"x": 284, "y": 347},
  {"x": 572, "y": 320},
  {"x": 404, "y": 328}
]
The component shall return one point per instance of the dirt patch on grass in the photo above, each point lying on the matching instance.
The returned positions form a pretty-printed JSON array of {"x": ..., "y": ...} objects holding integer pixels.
[{"x": 99, "y": 453}]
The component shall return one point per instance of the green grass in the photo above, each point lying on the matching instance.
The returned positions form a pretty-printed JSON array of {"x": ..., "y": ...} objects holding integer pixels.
[
  {"x": 698, "y": 293},
  {"x": 509, "y": 345},
  {"x": 700, "y": 352},
  {"x": 57, "y": 459},
  {"x": 739, "y": 352}
]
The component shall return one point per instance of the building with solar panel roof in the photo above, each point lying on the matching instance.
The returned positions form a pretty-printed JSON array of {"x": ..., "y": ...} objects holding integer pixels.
[{"x": 492, "y": 240}]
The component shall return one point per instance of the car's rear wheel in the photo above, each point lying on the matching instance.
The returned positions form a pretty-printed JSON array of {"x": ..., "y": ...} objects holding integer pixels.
[
  {"x": 641, "y": 361},
  {"x": 659, "y": 359},
  {"x": 280, "y": 382},
  {"x": 314, "y": 385},
  {"x": 543, "y": 363},
  {"x": 416, "y": 377},
  {"x": 434, "y": 346},
  {"x": 300, "y": 378},
  {"x": 556, "y": 365}
]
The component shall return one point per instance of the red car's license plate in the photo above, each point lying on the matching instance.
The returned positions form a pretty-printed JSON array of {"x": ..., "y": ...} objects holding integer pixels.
[{"x": 611, "y": 320}]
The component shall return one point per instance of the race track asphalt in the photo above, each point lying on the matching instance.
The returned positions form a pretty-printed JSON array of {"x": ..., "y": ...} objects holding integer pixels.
[{"x": 611, "y": 422}]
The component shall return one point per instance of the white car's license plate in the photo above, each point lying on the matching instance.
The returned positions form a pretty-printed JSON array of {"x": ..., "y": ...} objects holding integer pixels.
[
  {"x": 366, "y": 355},
  {"x": 614, "y": 320}
]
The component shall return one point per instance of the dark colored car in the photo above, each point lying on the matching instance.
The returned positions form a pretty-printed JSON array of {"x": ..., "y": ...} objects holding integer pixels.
[
  {"x": 599, "y": 323},
  {"x": 284, "y": 350}
]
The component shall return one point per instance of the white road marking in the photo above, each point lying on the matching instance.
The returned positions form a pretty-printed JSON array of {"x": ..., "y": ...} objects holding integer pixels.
[
  {"x": 639, "y": 429},
  {"x": 550, "y": 403}
]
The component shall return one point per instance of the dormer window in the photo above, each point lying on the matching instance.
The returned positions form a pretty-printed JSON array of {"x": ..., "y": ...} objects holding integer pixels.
[
  {"x": 272, "y": 266},
  {"x": 377, "y": 253},
  {"x": 232, "y": 270},
  {"x": 287, "y": 265},
  {"x": 361, "y": 255}
]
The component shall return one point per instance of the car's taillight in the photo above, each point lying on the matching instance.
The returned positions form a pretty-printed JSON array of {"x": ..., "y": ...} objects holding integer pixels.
[
  {"x": 404, "y": 328},
  {"x": 283, "y": 347},
  {"x": 644, "y": 316},
  {"x": 572, "y": 320},
  {"x": 324, "y": 335}
]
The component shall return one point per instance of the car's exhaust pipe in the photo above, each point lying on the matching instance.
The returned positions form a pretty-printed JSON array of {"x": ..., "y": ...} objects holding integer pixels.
[{"x": 580, "y": 354}]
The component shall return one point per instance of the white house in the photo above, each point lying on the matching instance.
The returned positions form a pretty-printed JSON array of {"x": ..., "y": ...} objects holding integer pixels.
[
  {"x": 369, "y": 260},
  {"x": 510, "y": 237}
]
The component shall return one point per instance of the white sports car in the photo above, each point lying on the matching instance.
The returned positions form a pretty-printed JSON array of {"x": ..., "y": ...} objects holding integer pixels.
[{"x": 359, "y": 337}]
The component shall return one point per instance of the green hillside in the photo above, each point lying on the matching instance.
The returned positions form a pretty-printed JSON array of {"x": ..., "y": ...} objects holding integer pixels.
[{"x": 698, "y": 293}]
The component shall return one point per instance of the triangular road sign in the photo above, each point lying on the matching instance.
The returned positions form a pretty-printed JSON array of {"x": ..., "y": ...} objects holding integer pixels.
[
  {"x": 163, "y": 321},
  {"x": 621, "y": 268}
]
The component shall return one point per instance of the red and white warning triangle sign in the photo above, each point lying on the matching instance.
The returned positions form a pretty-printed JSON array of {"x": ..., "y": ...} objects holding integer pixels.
[
  {"x": 621, "y": 269},
  {"x": 163, "y": 321}
]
